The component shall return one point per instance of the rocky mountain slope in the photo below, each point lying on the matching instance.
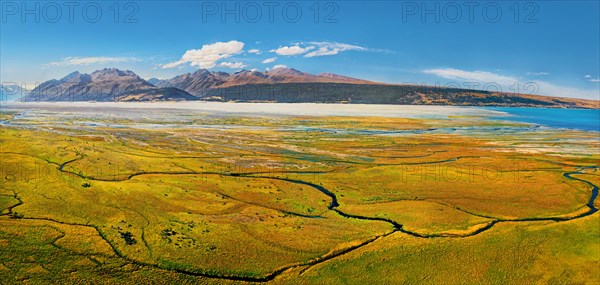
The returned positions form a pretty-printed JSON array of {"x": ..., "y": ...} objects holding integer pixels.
[
  {"x": 104, "y": 85},
  {"x": 202, "y": 81}
]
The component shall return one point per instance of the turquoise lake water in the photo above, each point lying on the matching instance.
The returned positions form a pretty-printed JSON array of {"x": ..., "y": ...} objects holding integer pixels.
[{"x": 578, "y": 119}]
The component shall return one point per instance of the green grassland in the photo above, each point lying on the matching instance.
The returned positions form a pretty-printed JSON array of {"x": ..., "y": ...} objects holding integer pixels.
[{"x": 337, "y": 200}]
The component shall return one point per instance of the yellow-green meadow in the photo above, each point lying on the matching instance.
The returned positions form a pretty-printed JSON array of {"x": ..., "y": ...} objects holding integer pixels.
[{"x": 222, "y": 198}]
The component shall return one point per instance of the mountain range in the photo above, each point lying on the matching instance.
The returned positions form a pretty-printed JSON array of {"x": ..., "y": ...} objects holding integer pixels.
[
  {"x": 277, "y": 85},
  {"x": 109, "y": 84},
  {"x": 203, "y": 81}
]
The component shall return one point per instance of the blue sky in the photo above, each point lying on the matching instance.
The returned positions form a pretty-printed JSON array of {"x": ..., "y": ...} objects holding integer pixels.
[{"x": 545, "y": 47}]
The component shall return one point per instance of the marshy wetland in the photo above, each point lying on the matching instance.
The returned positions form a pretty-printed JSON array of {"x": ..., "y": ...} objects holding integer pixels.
[{"x": 294, "y": 194}]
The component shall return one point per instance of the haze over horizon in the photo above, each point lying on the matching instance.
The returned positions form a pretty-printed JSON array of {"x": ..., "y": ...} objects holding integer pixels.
[{"x": 510, "y": 51}]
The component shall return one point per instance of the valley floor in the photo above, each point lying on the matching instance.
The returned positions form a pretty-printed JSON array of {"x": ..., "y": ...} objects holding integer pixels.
[{"x": 173, "y": 197}]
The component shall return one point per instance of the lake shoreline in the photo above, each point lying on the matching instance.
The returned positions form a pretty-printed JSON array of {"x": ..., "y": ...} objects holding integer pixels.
[{"x": 575, "y": 119}]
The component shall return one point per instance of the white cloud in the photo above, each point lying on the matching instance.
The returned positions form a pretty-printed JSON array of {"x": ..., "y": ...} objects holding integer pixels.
[
  {"x": 68, "y": 61},
  {"x": 254, "y": 51},
  {"x": 588, "y": 76},
  {"x": 546, "y": 88},
  {"x": 269, "y": 60},
  {"x": 472, "y": 76},
  {"x": 314, "y": 49},
  {"x": 537, "y": 73},
  {"x": 291, "y": 50},
  {"x": 510, "y": 83},
  {"x": 208, "y": 55},
  {"x": 321, "y": 52},
  {"x": 332, "y": 48},
  {"x": 595, "y": 80},
  {"x": 277, "y": 66},
  {"x": 232, "y": 65}
]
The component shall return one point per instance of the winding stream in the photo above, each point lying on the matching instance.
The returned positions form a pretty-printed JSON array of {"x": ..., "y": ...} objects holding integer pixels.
[{"x": 333, "y": 205}]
